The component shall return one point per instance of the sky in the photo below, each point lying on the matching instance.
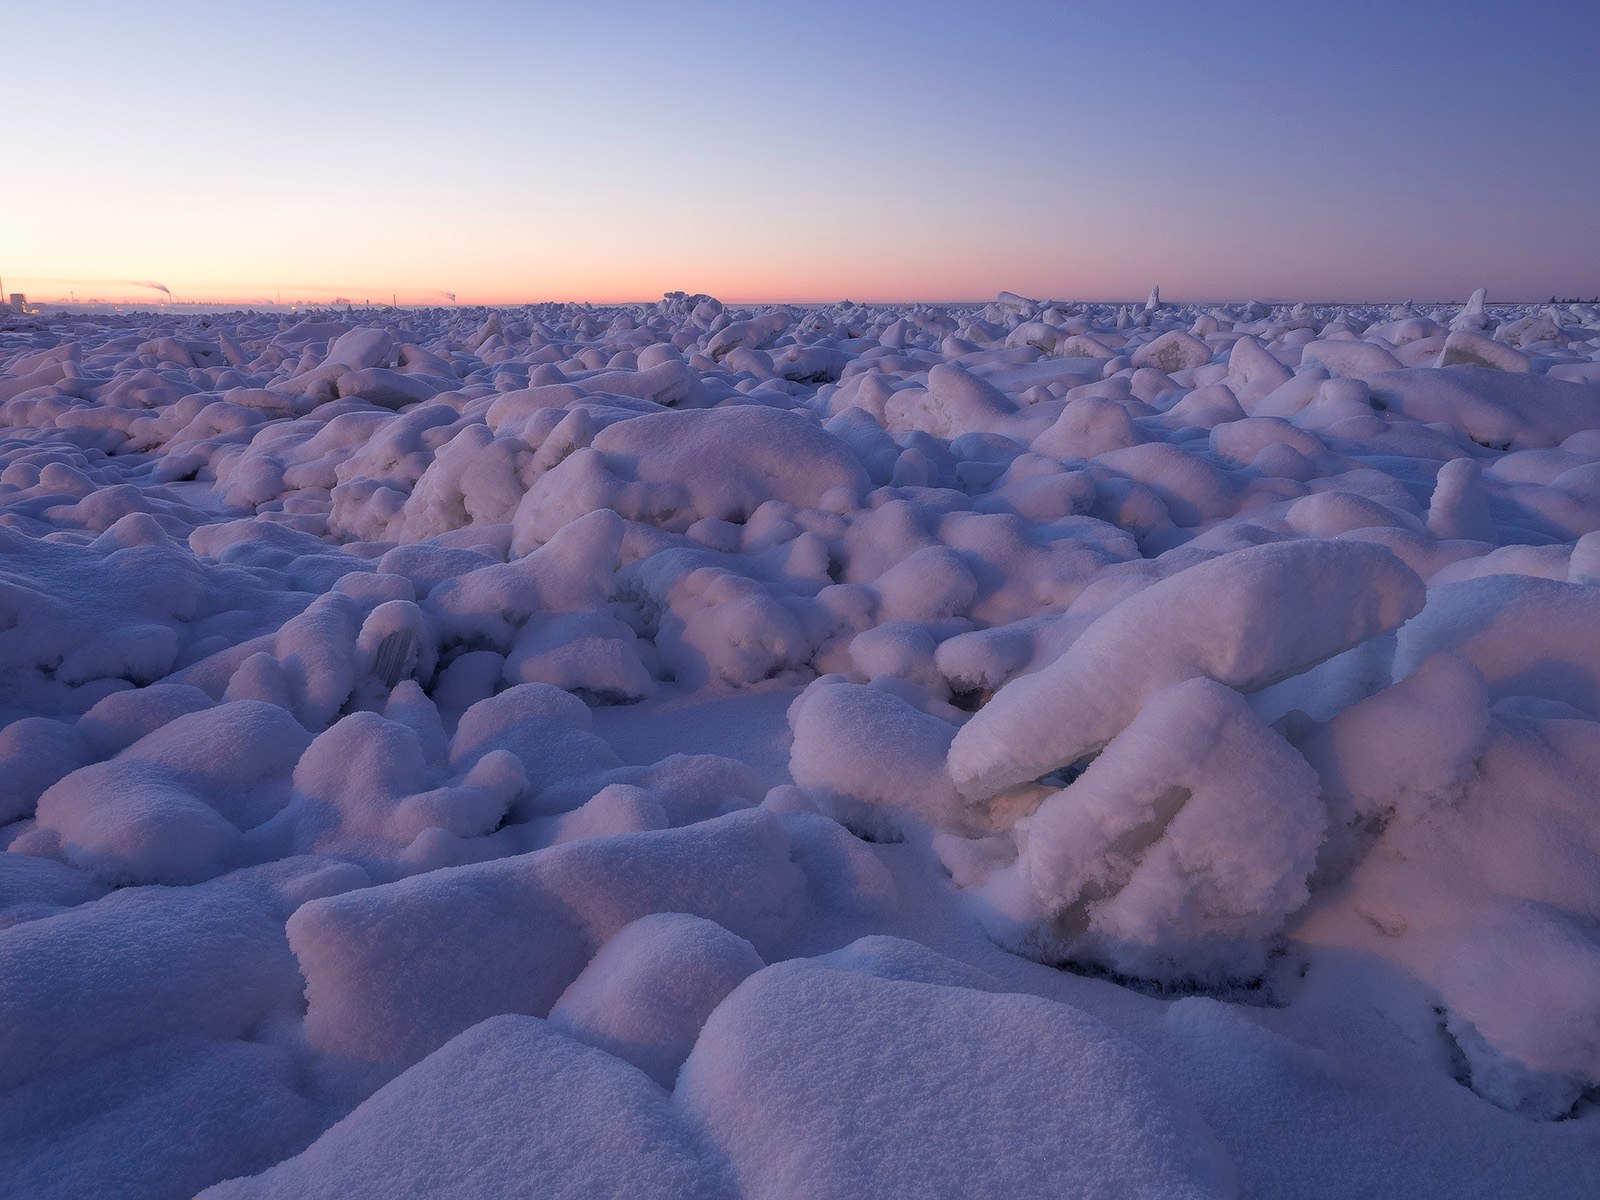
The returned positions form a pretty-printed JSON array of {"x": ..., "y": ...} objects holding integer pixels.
[{"x": 510, "y": 152}]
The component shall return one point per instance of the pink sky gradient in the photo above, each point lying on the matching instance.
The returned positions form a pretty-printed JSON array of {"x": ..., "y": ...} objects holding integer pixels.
[{"x": 511, "y": 153}]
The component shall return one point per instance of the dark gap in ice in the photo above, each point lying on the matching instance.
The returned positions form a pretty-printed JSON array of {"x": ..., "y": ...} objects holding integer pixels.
[
  {"x": 877, "y": 835},
  {"x": 1260, "y": 992},
  {"x": 1064, "y": 776},
  {"x": 604, "y": 699},
  {"x": 1460, "y": 1068},
  {"x": 970, "y": 699},
  {"x": 390, "y": 658}
]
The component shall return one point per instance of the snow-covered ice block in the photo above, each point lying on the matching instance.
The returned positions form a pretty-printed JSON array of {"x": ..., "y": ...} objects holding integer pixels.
[
  {"x": 1173, "y": 351},
  {"x": 149, "y": 963},
  {"x": 1459, "y": 508},
  {"x": 364, "y": 346},
  {"x": 570, "y": 572},
  {"x": 1463, "y": 347},
  {"x": 392, "y": 972},
  {"x": 872, "y": 758},
  {"x": 385, "y": 388},
  {"x": 546, "y": 728},
  {"x": 1472, "y": 314},
  {"x": 645, "y": 995},
  {"x": 1497, "y": 409},
  {"x": 510, "y": 1107},
  {"x": 1349, "y": 359},
  {"x": 927, "y": 585},
  {"x": 365, "y": 790},
  {"x": 1253, "y": 372},
  {"x": 166, "y": 1118},
  {"x": 674, "y": 468},
  {"x": 175, "y": 806},
  {"x": 720, "y": 627},
  {"x": 839, "y": 1083},
  {"x": 1088, "y": 427},
  {"x": 1527, "y": 636},
  {"x": 1520, "y": 986},
  {"x": 1182, "y": 849},
  {"x": 1401, "y": 752},
  {"x": 1246, "y": 619}
]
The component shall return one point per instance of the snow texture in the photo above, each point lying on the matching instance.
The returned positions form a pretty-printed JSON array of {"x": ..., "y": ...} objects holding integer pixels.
[{"x": 687, "y": 749}]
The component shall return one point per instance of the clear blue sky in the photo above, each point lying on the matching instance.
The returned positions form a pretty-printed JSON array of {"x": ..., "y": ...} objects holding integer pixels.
[{"x": 512, "y": 151}]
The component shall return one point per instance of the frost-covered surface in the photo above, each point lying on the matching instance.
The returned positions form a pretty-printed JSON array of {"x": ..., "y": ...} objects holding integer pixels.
[{"x": 676, "y": 750}]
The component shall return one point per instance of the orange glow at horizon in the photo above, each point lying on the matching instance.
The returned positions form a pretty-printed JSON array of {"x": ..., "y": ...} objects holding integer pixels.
[
  {"x": 596, "y": 256},
  {"x": 599, "y": 284},
  {"x": 883, "y": 154},
  {"x": 790, "y": 255}
]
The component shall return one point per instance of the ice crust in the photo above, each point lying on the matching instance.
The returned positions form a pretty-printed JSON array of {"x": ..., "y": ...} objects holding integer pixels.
[{"x": 687, "y": 750}]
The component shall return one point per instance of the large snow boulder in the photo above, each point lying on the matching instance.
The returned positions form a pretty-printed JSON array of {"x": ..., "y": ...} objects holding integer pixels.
[
  {"x": 837, "y": 1083},
  {"x": 393, "y": 972},
  {"x": 1246, "y": 619},
  {"x": 646, "y": 994},
  {"x": 509, "y": 1108},
  {"x": 1497, "y": 408},
  {"x": 872, "y": 758},
  {"x": 1183, "y": 847},
  {"x": 1173, "y": 351},
  {"x": 1527, "y": 636},
  {"x": 360, "y": 348},
  {"x": 674, "y": 468}
]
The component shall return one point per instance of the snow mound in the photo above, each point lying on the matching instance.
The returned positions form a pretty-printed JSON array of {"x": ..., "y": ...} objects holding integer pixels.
[
  {"x": 162, "y": 1119},
  {"x": 672, "y": 469},
  {"x": 1527, "y": 636},
  {"x": 175, "y": 806},
  {"x": 1181, "y": 850},
  {"x": 1492, "y": 407},
  {"x": 511, "y": 1107},
  {"x": 147, "y": 964},
  {"x": 471, "y": 701},
  {"x": 645, "y": 995},
  {"x": 870, "y": 757},
  {"x": 393, "y": 972},
  {"x": 788, "y": 1065},
  {"x": 1246, "y": 619}
]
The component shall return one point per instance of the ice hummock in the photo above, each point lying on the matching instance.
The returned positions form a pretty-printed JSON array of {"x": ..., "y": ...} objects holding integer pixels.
[{"x": 699, "y": 749}]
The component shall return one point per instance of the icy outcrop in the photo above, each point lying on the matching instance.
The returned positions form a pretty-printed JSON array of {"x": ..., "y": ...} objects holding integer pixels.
[
  {"x": 806, "y": 1049},
  {"x": 1466, "y": 348},
  {"x": 421, "y": 724},
  {"x": 1245, "y": 619},
  {"x": 1182, "y": 849},
  {"x": 585, "y": 1122},
  {"x": 393, "y": 972},
  {"x": 871, "y": 757},
  {"x": 1472, "y": 314},
  {"x": 672, "y": 469},
  {"x": 645, "y": 995}
]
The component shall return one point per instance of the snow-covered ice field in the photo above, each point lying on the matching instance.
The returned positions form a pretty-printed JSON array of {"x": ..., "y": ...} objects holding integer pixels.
[{"x": 1019, "y": 749}]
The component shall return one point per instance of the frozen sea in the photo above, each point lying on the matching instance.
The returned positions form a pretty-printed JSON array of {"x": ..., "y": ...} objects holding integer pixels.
[{"x": 1015, "y": 749}]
